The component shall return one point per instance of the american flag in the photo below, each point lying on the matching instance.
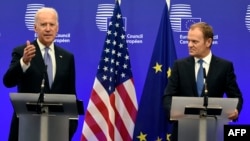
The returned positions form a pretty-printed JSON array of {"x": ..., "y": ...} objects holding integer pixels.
[{"x": 112, "y": 107}]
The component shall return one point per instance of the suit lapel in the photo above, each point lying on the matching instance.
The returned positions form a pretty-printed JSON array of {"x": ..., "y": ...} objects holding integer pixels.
[
  {"x": 192, "y": 68},
  {"x": 212, "y": 70},
  {"x": 59, "y": 63},
  {"x": 38, "y": 60},
  {"x": 191, "y": 72}
]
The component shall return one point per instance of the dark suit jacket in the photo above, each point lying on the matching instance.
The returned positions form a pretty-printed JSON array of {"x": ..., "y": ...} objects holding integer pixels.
[
  {"x": 30, "y": 81},
  {"x": 221, "y": 80}
]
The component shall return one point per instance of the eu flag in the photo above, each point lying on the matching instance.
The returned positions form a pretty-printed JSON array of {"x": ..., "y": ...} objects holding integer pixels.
[
  {"x": 151, "y": 123},
  {"x": 187, "y": 22}
]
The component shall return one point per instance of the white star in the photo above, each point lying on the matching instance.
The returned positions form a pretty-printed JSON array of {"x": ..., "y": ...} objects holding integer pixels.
[
  {"x": 114, "y": 42},
  {"x": 118, "y": 16},
  {"x": 125, "y": 66},
  {"x": 108, "y": 41},
  {"x": 110, "y": 23},
  {"x": 104, "y": 77},
  {"x": 106, "y": 59},
  {"x": 126, "y": 57},
  {"x": 123, "y": 75},
  {"x": 108, "y": 32},
  {"x": 106, "y": 50},
  {"x": 121, "y": 45},
  {"x": 119, "y": 54},
  {"x": 117, "y": 63},
  {"x": 105, "y": 68},
  {"x": 117, "y": 25},
  {"x": 123, "y": 36}
]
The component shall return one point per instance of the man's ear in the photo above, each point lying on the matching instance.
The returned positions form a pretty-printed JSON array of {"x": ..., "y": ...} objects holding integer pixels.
[
  {"x": 209, "y": 42},
  {"x": 34, "y": 27}
]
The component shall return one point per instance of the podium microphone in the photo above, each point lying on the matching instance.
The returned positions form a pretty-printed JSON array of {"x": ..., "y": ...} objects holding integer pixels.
[
  {"x": 205, "y": 103},
  {"x": 41, "y": 96}
]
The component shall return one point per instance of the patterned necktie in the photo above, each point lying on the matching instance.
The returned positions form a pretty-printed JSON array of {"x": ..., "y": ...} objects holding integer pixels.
[
  {"x": 200, "y": 78},
  {"x": 48, "y": 63}
]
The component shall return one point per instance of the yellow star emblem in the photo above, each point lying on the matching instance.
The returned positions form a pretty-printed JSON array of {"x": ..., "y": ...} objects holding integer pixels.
[
  {"x": 157, "y": 67},
  {"x": 168, "y": 137},
  {"x": 169, "y": 72},
  {"x": 159, "y": 139},
  {"x": 142, "y": 137}
]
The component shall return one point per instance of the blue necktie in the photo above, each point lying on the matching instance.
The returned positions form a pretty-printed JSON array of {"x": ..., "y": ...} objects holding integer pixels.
[
  {"x": 48, "y": 63},
  {"x": 200, "y": 78}
]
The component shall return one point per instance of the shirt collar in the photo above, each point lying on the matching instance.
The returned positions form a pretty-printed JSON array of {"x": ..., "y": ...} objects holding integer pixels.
[
  {"x": 206, "y": 59},
  {"x": 41, "y": 46}
]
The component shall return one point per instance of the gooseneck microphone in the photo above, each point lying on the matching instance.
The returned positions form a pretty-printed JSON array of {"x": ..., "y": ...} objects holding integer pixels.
[
  {"x": 41, "y": 95},
  {"x": 205, "y": 103}
]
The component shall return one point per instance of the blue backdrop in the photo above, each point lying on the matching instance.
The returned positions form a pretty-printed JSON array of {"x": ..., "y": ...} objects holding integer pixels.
[{"x": 82, "y": 31}]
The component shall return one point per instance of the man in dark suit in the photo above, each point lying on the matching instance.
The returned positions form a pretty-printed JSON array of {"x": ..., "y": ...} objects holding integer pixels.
[
  {"x": 27, "y": 67},
  {"x": 220, "y": 79}
]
